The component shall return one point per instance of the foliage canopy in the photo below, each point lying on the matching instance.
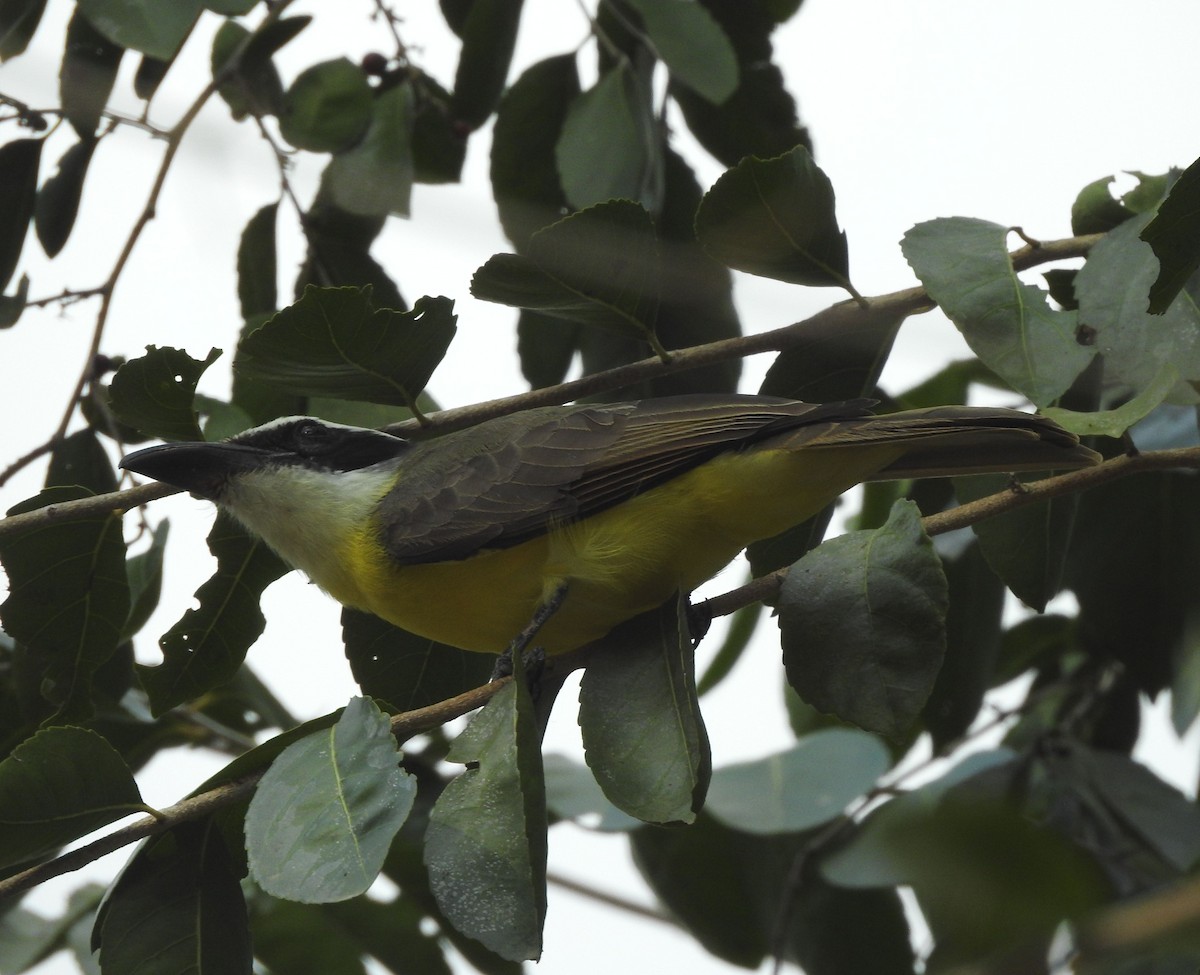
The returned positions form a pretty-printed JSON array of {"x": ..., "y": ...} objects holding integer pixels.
[{"x": 1052, "y": 842}]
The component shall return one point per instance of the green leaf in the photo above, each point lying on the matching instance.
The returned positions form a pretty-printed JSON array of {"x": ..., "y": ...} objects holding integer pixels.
[
  {"x": 375, "y": 177},
  {"x": 1112, "y": 288},
  {"x": 79, "y": 459},
  {"x": 1060, "y": 282},
  {"x": 807, "y": 785},
  {"x": 27, "y": 938},
  {"x": 874, "y": 856},
  {"x": 759, "y": 118},
  {"x": 949, "y": 384},
  {"x": 153, "y": 28},
  {"x": 965, "y": 266},
  {"x": 327, "y": 108},
  {"x": 224, "y": 420},
  {"x": 863, "y": 623},
  {"x": 257, "y": 266},
  {"x": 1095, "y": 211},
  {"x": 1027, "y": 547},
  {"x": 485, "y": 846},
  {"x": 57, "y": 786},
  {"x": 1174, "y": 234},
  {"x": 405, "y": 670},
  {"x": 964, "y": 850},
  {"x": 329, "y": 939},
  {"x": 18, "y": 21},
  {"x": 776, "y": 218},
  {"x": 324, "y": 814},
  {"x": 208, "y": 644},
  {"x": 89, "y": 69},
  {"x": 1032, "y": 643},
  {"x": 254, "y": 87},
  {"x": 68, "y": 598},
  {"x": 692, "y": 45},
  {"x": 335, "y": 342},
  {"x": 358, "y": 414},
  {"x": 705, "y": 875},
  {"x": 546, "y": 347},
  {"x": 439, "y": 147},
  {"x": 339, "y": 246},
  {"x": 489, "y": 34},
  {"x": 18, "y": 192},
  {"x": 58, "y": 199},
  {"x": 1140, "y": 614},
  {"x": 643, "y": 735},
  {"x": 230, "y": 8},
  {"x": 154, "y": 393},
  {"x": 835, "y": 360},
  {"x": 253, "y": 402},
  {"x": 1155, "y": 814},
  {"x": 1150, "y": 191},
  {"x": 728, "y": 889},
  {"x": 11, "y": 306},
  {"x": 696, "y": 292},
  {"x": 234, "y": 89},
  {"x": 573, "y": 793},
  {"x": 1113, "y": 423},
  {"x": 144, "y": 572},
  {"x": 178, "y": 906},
  {"x": 610, "y": 147},
  {"x": 597, "y": 267},
  {"x": 524, "y": 170},
  {"x": 1185, "y": 682},
  {"x": 976, "y": 602},
  {"x": 150, "y": 74}
]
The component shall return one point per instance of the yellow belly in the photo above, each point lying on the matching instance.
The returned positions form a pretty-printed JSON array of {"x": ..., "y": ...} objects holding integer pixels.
[{"x": 616, "y": 564}]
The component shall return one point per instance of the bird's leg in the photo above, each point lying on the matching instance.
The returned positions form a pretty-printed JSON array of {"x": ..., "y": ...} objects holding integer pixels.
[
  {"x": 699, "y": 619},
  {"x": 536, "y": 658}
]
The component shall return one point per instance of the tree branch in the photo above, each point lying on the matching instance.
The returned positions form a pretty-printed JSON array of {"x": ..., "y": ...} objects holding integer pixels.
[
  {"x": 404, "y": 725},
  {"x": 844, "y": 314},
  {"x": 766, "y": 588}
]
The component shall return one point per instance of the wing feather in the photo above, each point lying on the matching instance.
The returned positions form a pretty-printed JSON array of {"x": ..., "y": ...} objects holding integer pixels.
[{"x": 509, "y": 480}]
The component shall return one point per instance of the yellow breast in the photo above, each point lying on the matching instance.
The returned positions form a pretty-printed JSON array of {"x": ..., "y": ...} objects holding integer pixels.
[{"x": 616, "y": 564}]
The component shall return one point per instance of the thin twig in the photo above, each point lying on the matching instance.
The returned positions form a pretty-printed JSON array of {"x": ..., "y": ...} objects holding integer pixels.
[
  {"x": 609, "y": 900},
  {"x": 174, "y": 139}
]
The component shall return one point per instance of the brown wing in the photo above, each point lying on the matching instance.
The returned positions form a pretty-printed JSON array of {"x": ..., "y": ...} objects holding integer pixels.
[{"x": 509, "y": 480}]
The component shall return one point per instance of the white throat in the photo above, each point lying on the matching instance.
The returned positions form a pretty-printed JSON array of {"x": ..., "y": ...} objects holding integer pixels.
[{"x": 308, "y": 516}]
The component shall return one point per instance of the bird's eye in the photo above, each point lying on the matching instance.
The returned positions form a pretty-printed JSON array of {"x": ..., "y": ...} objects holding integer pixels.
[{"x": 311, "y": 435}]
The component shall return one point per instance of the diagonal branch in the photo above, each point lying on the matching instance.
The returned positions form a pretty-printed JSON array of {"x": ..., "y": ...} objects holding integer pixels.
[
  {"x": 844, "y": 314},
  {"x": 404, "y": 725},
  {"x": 765, "y": 588}
]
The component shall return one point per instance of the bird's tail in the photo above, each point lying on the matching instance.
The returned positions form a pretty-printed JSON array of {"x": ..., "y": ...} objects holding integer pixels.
[{"x": 952, "y": 440}]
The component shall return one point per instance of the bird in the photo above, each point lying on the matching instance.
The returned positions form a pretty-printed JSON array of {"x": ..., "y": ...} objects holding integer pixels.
[{"x": 610, "y": 509}]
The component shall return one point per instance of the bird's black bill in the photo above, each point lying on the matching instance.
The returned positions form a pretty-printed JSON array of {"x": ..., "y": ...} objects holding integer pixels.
[{"x": 201, "y": 468}]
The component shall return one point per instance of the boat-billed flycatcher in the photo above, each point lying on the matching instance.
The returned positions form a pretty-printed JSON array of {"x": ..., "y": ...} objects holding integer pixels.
[{"x": 460, "y": 538}]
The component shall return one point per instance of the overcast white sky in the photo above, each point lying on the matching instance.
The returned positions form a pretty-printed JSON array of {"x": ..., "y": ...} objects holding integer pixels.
[{"x": 919, "y": 109}]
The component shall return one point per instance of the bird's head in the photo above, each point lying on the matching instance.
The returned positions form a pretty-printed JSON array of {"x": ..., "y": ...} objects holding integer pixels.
[
  {"x": 291, "y": 448},
  {"x": 307, "y": 487}
]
